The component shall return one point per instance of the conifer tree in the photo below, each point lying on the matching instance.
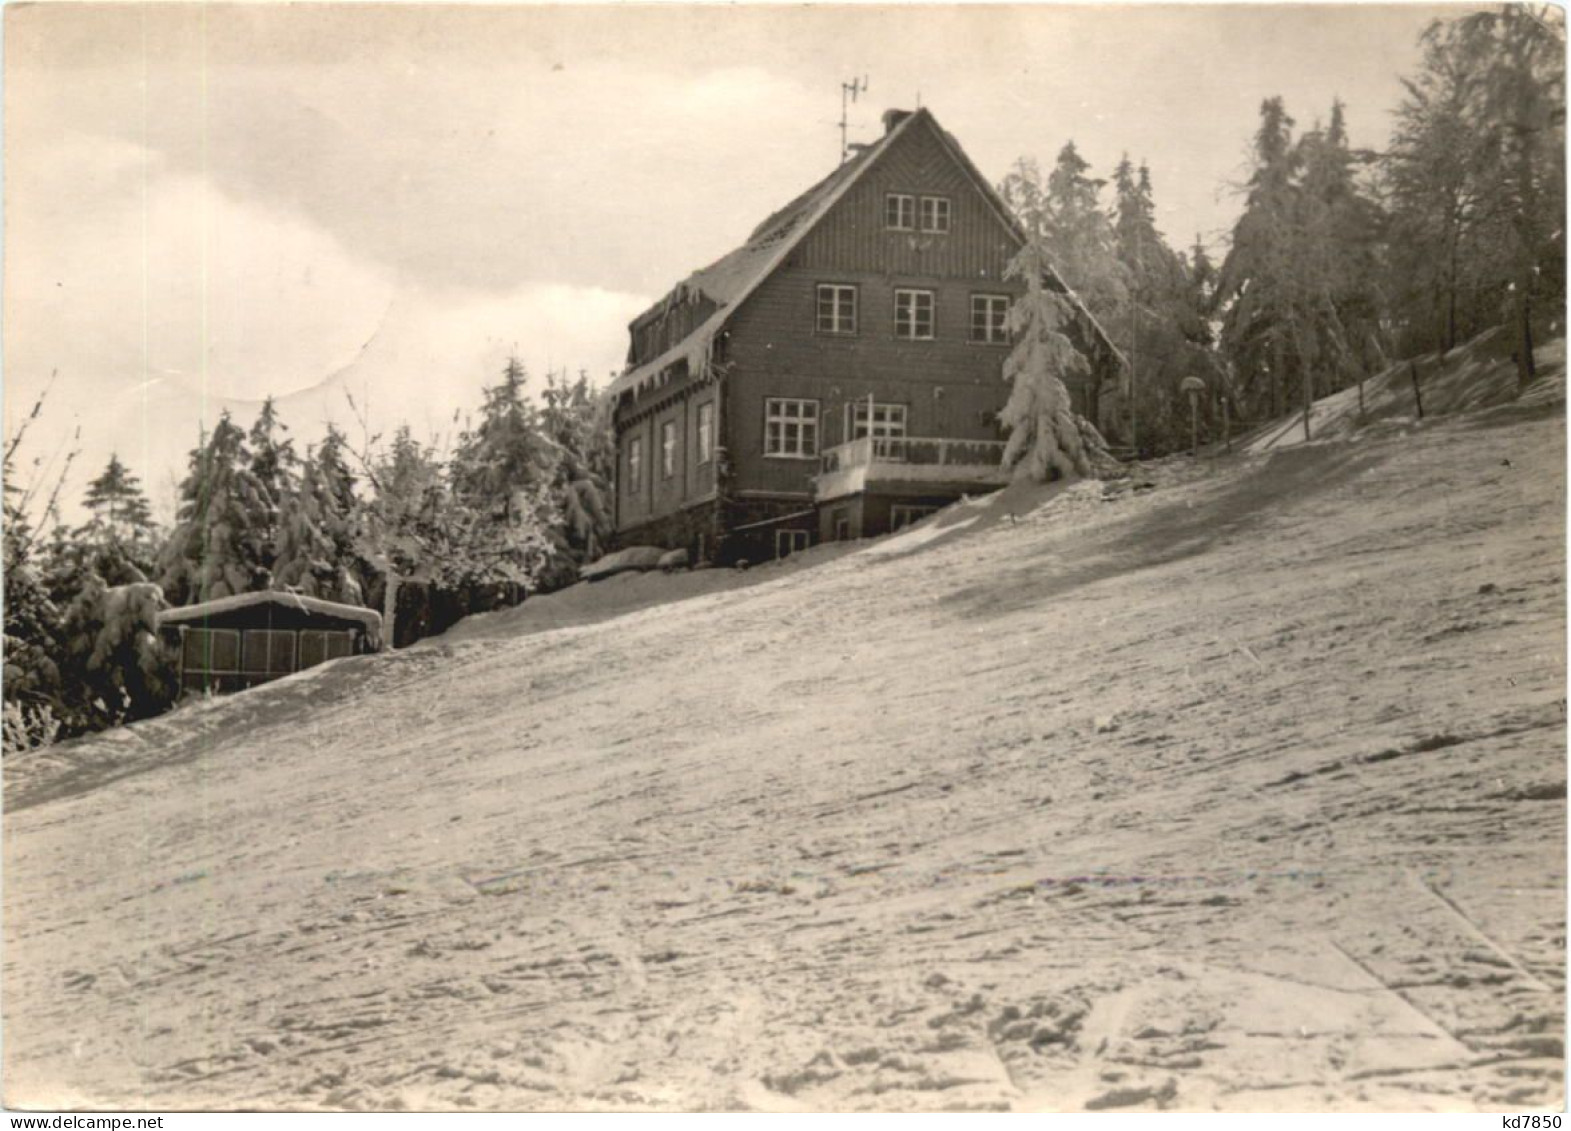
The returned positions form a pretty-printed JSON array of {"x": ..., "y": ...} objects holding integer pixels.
[
  {"x": 276, "y": 467},
  {"x": 220, "y": 544},
  {"x": 319, "y": 527},
  {"x": 501, "y": 479},
  {"x": 1047, "y": 438},
  {"x": 1475, "y": 178},
  {"x": 114, "y": 667},
  {"x": 31, "y": 678},
  {"x": 1161, "y": 334},
  {"x": 577, "y": 422},
  {"x": 117, "y": 503},
  {"x": 1254, "y": 282},
  {"x": 120, "y": 536},
  {"x": 1063, "y": 214}
]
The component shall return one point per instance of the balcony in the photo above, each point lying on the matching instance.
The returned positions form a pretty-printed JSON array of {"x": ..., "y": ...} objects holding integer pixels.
[{"x": 909, "y": 464}]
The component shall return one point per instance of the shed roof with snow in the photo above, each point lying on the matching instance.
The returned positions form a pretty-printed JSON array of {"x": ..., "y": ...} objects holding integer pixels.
[
  {"x": 250, "y": 638},
  {"x": 370, "y": 619}
]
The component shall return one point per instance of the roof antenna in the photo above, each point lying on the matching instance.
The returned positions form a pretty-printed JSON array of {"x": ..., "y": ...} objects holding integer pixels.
[{"x": 848, "y": 93}]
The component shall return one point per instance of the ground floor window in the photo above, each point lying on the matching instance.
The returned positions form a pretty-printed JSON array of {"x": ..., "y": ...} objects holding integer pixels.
[
  {"x": 788, "y": 542},
  {"x": 706, "y": 431},
  {"x": 902, "y": 515},
  {"x": 635, "y": 465},
  {"x": 790, "y": 427},
  {"x": 841, "y": 519},
  {"x": 668, "y": 449}
]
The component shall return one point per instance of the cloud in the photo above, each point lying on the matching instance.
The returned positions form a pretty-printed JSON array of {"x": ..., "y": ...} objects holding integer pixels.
[
  {"x": 161, "y": 274},
  {"x": 163, "y": 301},
  {"x": 438, "y": 347}
]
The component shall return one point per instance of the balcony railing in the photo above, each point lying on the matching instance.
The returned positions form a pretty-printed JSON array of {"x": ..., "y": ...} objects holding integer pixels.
[
  {"x": 849, "y": 467},
  {"x": 871, "y": 450}
]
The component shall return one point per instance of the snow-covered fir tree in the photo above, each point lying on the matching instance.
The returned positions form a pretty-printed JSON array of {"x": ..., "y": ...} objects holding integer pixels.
[
  {"x": 118, "y": 505},
  {"x": 1047, "y": 438},
  {"x": 31, "y": 678},
  {"x": 501, "y": 479},
  {"x": 577, "y": 421},
  {"x": 120, "y": 537},
  {"x": 276, "y": 468},
  {"x": 319, "y": 527},
  {"x": 221, "y": 542}
]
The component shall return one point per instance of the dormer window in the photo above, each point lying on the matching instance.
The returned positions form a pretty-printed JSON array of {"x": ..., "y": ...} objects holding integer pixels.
[
  {"x": 935, "y": 214},
  {"x": 900, "y": 212}
]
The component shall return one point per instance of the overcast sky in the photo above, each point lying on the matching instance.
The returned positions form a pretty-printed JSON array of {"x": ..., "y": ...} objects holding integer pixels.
[{"x": 207, "y": 204}]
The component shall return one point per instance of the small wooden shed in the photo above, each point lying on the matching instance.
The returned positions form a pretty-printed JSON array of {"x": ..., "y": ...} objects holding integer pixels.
[{"x": 250, "y": 638}]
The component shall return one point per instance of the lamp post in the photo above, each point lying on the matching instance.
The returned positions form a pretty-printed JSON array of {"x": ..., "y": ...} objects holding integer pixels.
[{"x": 1194, "y": 386}]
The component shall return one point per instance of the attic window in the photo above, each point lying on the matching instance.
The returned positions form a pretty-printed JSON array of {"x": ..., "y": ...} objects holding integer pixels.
[
  {"x": 900, "y": 212},
  {"x": 836, "y": 309},
  {"x": 935, "y": 214}
]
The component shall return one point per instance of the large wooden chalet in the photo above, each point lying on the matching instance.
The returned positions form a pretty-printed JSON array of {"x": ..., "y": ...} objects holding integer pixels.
[{"x": 840, "y": 373}]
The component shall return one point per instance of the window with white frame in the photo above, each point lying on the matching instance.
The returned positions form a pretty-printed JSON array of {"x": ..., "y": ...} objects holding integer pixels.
[
  {"x": 935, "y": 213},
  {"x": 789, "y": 541},
  {"x": 790, "y": 428},
  {"x": 914, "y": 315},
  {"x": 990, "y": 319},
  {"x": 881, "y": 421},
  {"x": 635, "y": 465},
  {"x": 900, "y": 212},
  {"x": 836, "y": 308},
  {"x": 706, "y": 431},
  {"x": 668, "y": 449}
]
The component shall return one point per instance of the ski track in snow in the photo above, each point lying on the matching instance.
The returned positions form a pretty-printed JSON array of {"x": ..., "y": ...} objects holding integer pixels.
[{"x": 1247, "y": 792}]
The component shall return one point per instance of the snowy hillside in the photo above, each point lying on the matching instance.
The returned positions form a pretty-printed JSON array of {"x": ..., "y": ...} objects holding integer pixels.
[
  {"x": 1246, "y": 791},
  {"x": 1479, "y": 374}
]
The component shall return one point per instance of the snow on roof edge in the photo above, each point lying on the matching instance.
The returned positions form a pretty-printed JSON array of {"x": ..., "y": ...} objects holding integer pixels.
[{"x": 368, "y": 617}]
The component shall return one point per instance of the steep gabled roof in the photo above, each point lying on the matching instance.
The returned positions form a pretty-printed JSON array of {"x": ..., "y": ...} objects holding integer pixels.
[{"x": 728, "y": 281}]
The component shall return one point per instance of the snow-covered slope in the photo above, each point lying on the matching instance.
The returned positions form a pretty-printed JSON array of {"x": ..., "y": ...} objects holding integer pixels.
[
  {"x": 1246, "y": 791},
  {"x": 1480, "y": 374}
]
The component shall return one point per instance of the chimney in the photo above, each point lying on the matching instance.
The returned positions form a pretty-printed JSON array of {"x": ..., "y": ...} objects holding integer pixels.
[{"x": 893, "y": 118}]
